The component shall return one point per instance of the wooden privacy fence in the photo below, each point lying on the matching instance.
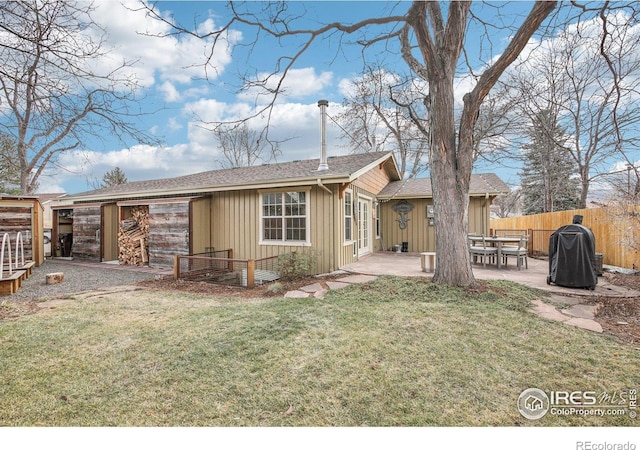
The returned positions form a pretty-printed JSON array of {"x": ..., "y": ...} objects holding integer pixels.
[{"x": 616, "y": 233}]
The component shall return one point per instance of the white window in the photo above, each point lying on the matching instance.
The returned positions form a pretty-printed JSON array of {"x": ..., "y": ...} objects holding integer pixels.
[
  {"x": 284, "y": 217},
  {"x": 348, "y": 217}
]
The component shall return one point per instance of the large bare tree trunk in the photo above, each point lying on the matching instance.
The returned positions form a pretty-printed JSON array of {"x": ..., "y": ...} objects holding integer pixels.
[
  {"x": 450, "y": 186},
  {"x": 451, "y": 151}
]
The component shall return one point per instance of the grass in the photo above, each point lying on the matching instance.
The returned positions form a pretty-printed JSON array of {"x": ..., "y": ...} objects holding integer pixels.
[{"x": 395, "y": 352}]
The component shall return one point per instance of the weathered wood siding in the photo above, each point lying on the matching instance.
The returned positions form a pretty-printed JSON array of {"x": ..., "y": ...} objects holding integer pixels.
[
  {"x": 235, "y": 224},
  {"x": 24, "y": 216},
  {"x": 419, "y": 235},
  {"x": 86, "y": 233},
  {"x": 14, "y": 220},
  {"x": 613, "y": 232},
  {"x": 168, "y": 232}
]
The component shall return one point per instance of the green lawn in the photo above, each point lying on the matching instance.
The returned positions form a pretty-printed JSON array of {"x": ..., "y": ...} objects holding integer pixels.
[{"x": 395, "y": 352}]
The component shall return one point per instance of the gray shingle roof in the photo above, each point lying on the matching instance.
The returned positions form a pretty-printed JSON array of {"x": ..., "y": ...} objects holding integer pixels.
[
  {"x": 480, "y": 184},
  {"x": 339, "y": 166}
]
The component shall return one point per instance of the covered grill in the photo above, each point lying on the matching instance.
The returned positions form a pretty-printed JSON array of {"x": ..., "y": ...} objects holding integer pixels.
[{"x": 572, "y": 256}]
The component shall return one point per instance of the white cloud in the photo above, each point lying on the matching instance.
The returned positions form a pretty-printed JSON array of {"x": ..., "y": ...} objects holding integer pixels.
[
  {"x": 133, "y": 37},
  {"x": 298, "y": 84},
  {"x": 140, "y": 162},
  {"x": 170, "y": 92},
  {"x": 298, "y": 123},
  {"x": 174, "y": 125}
]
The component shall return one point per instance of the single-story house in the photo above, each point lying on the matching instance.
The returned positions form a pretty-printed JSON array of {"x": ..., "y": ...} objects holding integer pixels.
[{"x": 356, "y": 206}]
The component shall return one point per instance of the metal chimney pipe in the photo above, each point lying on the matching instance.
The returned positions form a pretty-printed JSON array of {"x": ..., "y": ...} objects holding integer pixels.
[{"x": 323, "y": 104}]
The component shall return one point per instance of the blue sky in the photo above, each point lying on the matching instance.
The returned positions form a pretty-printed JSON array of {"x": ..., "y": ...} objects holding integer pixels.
[
  {"x": 177, "y": 94},
  {"x": 173, "y": 86}
]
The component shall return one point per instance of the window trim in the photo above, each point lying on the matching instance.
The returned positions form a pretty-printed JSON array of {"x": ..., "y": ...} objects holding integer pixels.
[
  {"x": 344, "y": 216},
  {"x": 284, "y": 241},
  {"x": 370, "y": 222},
  {"x": 377, "y": 211}
]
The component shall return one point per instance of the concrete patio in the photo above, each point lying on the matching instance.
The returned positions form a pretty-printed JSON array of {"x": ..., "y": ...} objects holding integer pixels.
[{"x": 408, "y": 265}]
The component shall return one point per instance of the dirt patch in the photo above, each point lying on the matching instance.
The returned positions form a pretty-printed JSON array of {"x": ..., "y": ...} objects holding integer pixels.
[
  {"x": 620, "y": 317},
  {"x": 219, "y": 290},
  {"x": 10, "y": 309}
]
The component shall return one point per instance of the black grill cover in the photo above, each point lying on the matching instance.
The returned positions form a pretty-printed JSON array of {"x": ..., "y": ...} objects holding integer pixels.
[{"x": 572, "y": 257}]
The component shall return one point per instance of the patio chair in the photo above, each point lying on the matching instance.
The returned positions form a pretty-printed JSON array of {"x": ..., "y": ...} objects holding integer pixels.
[
  {"x": 483, "y": 251},
  {"x": 520, "y": 252},
  {"x": 514, "y": 245}
]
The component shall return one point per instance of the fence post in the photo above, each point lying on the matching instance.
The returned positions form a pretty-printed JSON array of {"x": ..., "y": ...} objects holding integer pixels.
[
  {"x": 230, "y": 263},
  {"x": 251, "y": 268},
  {"x": 176, "y": 267},
  {"x": 530, "y": 247}
]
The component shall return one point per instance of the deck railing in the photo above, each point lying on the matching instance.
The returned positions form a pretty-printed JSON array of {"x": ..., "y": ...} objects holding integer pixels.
[
  {"x": 6, "y": 244},
  {"x": 19, "y": 255}
]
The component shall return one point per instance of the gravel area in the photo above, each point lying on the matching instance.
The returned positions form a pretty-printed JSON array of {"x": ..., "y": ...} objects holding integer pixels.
[{"x": 79, "y": 277}]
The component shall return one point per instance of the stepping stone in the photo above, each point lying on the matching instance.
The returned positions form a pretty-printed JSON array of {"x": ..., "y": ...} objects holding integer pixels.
[
  {"x": 586, "y": 324},
  {"x": 355, "y": 279},
  {"x": 581, "y": 311},
  {"x": 565, "y": 300},
  {"x": 312, "y": 288},
  {"x": 548, "y": 311},
  {"x": 320, "y": 293},
  {"x": 296, "y": 294},
  {"x": 337, "y": 285}
]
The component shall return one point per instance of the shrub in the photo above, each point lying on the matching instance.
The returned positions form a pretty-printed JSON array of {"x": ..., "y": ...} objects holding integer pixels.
[
  {"x": 297, "y": 265},
  {"x": 275, "y": 288}
]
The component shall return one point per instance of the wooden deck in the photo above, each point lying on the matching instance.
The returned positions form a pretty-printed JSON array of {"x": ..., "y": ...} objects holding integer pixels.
[{"x": 10, "y": 283}]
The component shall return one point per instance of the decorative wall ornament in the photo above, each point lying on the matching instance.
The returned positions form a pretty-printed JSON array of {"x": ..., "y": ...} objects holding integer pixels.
[{"x": 403, "y": 208}]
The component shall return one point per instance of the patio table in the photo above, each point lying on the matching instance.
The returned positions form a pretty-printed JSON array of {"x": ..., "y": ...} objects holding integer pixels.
[{"x": 497, "y": 241}]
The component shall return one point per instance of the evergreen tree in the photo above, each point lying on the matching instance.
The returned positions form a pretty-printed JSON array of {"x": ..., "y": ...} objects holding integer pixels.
[
  {"x": 548, "y": 175},
  {"x": 114, "y": 177},
  {"x": 9, "y": 166}
]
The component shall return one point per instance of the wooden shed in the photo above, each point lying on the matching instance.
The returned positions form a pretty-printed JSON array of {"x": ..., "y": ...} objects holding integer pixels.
[
  {"x": 91, "y": 231},
  {"x": 24, "y": 214}
]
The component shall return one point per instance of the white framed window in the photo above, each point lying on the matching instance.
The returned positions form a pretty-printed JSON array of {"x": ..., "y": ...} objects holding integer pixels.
[
  {"x": 284, "y": 218},
  {"x": 348, "y": 217}
]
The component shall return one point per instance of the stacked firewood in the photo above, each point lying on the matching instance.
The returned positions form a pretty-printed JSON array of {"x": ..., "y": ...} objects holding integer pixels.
[{"x": 132, "y": 237}]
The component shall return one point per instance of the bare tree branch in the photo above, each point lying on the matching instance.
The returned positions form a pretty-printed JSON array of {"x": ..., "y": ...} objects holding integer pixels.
[{"x": 53, "y": 99}]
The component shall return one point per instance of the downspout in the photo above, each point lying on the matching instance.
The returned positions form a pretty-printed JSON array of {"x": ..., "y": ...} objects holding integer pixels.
[
  {"x": 487, "y": 216},
  {"x": 322, "y": 186}
]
